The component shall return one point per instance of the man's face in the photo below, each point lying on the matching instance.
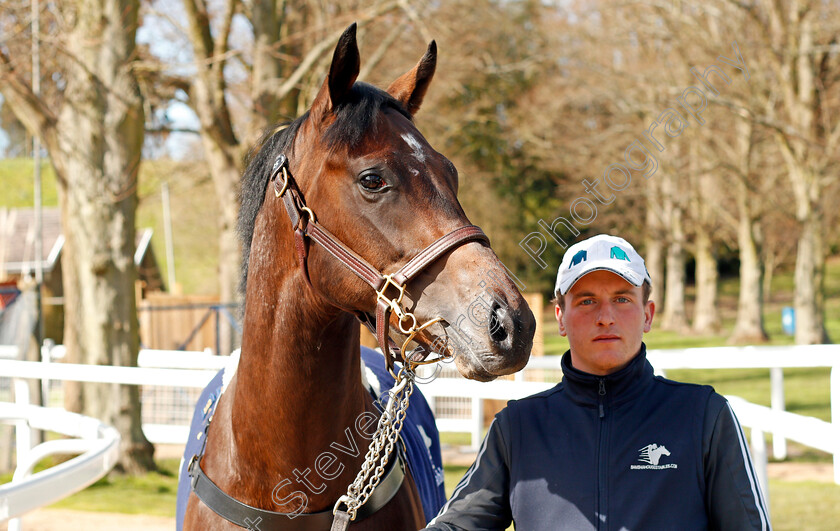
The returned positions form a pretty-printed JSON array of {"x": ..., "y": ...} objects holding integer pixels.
[{"x": 604, "y": 319}]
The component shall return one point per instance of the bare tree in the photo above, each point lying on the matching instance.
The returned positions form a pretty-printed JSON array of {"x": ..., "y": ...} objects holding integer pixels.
[
  {"x": 800, "y": 35},
  {"x": 674, "y": 314},
  {"x": 706, "y": 225},
  {"x": 749, "y": 322},
  {"x": 94, "y": 139},
  {"x": 655, "y": 242}
]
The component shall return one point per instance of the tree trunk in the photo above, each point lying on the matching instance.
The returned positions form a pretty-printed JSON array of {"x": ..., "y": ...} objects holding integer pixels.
[
  {"x": 654, "y": 242},
  {"x": 654, "y": 261},
  {"x": 226, "y": 173},
  {"x": 674, "y": 317},
  {"x": 749, "y": 322},
  {"x": 767, "y": 274},
  {"x": 808, "y": 298},
  {"x": 706, "y": 317},
  {"x": 221, "y": 145},
  {"x": 802, "y": 80},
  {"x": 96, "y": 155}
]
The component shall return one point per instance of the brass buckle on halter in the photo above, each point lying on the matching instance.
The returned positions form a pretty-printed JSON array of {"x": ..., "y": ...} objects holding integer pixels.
[
  {"x": 403, "y": 315},
  {"x": 280, "y": 164},
  {"x": 281, "y": 191},
  {"x": 407, "y": 324},
  {"x": 381, "y": 293}
]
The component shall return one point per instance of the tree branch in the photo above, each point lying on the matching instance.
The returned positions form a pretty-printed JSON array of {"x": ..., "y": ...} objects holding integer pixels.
[
  {"x": 323, "y": 47},
  {"x": 30, "y": 109},
  {"x": 199, "y": 28},
  {"x": 372, "y": 61},
  {"x": 221, "y": 46}
]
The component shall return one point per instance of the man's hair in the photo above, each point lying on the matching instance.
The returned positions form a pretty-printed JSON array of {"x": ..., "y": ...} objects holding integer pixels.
[{"x": 560, "y": 300}]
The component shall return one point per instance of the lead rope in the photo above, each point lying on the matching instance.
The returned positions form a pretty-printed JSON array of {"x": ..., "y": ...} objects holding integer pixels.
[{"x": 379, "y": 451}]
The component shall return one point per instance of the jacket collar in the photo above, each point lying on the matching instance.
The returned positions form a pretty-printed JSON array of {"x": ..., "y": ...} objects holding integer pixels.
[{"x": 619, "y": 387}]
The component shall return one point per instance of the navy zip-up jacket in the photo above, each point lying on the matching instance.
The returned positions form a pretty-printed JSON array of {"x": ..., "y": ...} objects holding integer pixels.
[{"x": 628, "y": 451}]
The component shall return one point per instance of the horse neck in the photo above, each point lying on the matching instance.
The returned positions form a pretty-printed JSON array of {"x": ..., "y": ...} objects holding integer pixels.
[{"x": 299, "y": 380}]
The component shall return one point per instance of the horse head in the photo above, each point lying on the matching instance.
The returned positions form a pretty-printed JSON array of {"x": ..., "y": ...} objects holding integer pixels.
[{"x": 374, "y": 181}]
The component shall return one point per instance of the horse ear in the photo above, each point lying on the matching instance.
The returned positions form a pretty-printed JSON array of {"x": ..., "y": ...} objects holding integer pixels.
[
  {"x": 410, "y": 87},
  {"x": 343, "y": 73}
]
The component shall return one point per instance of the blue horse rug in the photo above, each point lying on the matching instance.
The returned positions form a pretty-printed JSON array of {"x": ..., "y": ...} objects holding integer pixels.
[{"x": 419, "y": 434}]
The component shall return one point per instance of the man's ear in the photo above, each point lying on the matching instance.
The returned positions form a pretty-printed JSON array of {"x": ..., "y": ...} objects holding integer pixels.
[
  {"x": 650, "y": 309},
  {"x": 344, "y": 70},
  {"x": 558, "y": 314},
  {"x": 410, "y": 88}
]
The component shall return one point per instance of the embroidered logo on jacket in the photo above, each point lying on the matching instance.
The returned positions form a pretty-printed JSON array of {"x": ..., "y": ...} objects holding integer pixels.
[{"x": 651, "y": 454}]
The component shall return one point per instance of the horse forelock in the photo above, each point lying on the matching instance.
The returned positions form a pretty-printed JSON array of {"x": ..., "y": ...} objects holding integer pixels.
[
  {"x": 355, "y": 117},
  {"x": 358, "y": 114}
]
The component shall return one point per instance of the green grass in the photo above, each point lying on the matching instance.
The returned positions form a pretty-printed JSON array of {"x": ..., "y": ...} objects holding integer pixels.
[
  {"x": 151, "y": 494},
  {"x": 798, "y": 505},
  {"x": 456, "y": 439}
]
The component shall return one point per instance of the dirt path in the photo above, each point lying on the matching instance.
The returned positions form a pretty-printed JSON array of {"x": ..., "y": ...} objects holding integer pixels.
[
  {"x": 67, "y": 520},
  {"x": 822, "y": 472}
]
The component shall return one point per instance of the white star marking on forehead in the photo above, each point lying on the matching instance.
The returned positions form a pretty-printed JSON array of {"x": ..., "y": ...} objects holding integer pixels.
[{"x": 416, "y": 148}]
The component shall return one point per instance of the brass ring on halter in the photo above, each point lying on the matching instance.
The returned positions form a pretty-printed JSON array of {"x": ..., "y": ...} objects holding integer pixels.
[
  {"x": 285, "y": 184},
  {"x": 310, "y": 213},
  {"x": 411, "y": 330},
  {"x": 410, "y": 337}
]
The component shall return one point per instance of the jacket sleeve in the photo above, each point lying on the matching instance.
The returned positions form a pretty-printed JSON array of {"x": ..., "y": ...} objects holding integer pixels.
[
  {"x": 734, "y": 498},
  {"x": 481, "y": 499}
]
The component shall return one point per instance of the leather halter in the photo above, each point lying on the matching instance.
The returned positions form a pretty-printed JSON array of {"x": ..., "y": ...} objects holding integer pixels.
[{"x": 305, "y": 225}]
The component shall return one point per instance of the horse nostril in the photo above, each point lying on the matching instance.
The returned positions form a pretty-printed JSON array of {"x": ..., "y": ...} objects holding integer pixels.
[{"x": 498, "y": 314}]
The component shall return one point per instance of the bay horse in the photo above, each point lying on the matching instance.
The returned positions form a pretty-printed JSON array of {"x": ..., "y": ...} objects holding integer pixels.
[{"x": 355, "y": 164}]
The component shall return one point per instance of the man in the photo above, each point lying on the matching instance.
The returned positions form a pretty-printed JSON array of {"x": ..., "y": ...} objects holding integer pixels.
[{"x": 611, "y": 446}]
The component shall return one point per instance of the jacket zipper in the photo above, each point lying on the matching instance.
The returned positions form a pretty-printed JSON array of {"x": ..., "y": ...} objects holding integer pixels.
[
  {"x": 602, "y": 456},
  {"x": 602, "y": 392}
]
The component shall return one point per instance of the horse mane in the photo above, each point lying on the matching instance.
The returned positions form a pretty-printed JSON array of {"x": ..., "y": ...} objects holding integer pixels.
[{"x": 357, "y": 115}]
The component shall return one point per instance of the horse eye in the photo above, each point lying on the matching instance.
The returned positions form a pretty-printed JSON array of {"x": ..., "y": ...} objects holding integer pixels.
[{"x": 372, "y": 182}]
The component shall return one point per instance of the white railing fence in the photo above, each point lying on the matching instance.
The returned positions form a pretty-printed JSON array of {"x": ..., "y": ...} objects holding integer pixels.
[
  {"x": 97, "y": 443},
  {"x": 190, "y": 371}
]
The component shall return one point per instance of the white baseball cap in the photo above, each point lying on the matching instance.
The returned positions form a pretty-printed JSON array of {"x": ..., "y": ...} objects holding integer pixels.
[{"x": 601, "y": 252}]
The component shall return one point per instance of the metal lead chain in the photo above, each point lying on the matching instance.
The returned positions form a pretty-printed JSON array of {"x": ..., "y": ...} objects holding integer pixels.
[{"x": 381, "y": 445}]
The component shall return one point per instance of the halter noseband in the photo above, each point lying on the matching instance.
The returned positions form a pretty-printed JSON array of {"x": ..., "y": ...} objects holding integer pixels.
[{"x": 306, "y": 225}]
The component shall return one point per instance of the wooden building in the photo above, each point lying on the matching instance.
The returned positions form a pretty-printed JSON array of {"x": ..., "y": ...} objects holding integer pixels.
[{"x": 17, "y": 260}]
